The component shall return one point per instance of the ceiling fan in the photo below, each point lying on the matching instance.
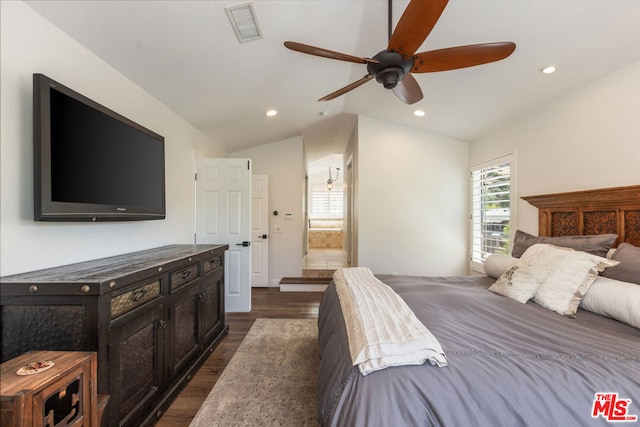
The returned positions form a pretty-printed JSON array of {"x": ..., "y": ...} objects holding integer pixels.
[{"x": 394, "y": 66}]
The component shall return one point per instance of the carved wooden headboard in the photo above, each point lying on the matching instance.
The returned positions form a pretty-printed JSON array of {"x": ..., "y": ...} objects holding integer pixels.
[{"x": 607, "y": 210}]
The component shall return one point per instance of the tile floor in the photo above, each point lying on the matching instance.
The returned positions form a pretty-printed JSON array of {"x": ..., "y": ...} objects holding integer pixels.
[{"x": 323, "y": 262}]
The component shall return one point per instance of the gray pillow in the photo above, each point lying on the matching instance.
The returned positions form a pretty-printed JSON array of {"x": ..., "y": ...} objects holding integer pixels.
[
  {"x": 595, "y": 244},
  {"x": 629, "y": 268}
]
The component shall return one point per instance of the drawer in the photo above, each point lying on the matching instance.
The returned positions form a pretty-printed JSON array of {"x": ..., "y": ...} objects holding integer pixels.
[
  {"x": 212, "y": 263},
  {"x": 183, "y": 276},
  {"x": 127, "y": 301}
]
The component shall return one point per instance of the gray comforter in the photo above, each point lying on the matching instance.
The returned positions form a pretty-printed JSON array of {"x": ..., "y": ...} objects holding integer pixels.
[{"x": 510, "y": 364}]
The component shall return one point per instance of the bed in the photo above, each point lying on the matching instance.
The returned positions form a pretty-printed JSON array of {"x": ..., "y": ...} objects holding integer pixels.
[{"x": 509, "y": 363}]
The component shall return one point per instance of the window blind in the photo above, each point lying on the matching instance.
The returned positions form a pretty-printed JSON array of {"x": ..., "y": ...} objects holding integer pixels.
[
  {"x": 327, "y": 204},
  {"x": 491, "y": 210}
]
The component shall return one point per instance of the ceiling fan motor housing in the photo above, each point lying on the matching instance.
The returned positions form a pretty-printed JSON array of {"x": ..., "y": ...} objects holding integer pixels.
[{"x": 390, "y": 69}]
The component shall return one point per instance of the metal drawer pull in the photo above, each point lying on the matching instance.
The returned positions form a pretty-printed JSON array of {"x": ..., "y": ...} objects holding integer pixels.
[
  {"x": 186, "y": 274},
  {"x": 128, "y": 301},
  {"x": 138, "y": 295}
]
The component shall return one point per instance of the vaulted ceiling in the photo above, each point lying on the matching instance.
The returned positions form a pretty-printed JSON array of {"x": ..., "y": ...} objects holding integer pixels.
[{"x": 186, "y": 54}]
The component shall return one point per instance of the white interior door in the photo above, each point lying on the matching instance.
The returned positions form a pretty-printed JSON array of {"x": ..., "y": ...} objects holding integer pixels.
[
  {"x": 223, "y": 216},
  {"x": 259, "y": 230}
]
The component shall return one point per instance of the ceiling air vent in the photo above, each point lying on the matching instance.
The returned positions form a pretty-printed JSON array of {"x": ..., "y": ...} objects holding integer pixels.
[{"x": 244, "y": 22}]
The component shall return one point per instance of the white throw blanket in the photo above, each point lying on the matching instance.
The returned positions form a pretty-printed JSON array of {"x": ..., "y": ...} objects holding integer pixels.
[{"x": 382, "y": 330}]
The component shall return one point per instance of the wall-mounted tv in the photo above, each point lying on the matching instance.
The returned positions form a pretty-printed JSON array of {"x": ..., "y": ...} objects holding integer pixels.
[{"x": 91, "y": 163}]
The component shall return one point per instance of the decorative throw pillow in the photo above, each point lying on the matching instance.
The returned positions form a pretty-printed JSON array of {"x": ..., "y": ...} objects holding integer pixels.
[
  {"x": 570, "y": 276},
  {"x": 521, "y": 280},
  {"x": 629, "y": 268},
  {"x": 595, "y": 244},
  {"x": 496, "y": 264},
  {"x": 615, "y": 299}
]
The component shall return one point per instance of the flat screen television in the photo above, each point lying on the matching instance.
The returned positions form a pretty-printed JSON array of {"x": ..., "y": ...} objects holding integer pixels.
[{"x": 91, "y": 163}]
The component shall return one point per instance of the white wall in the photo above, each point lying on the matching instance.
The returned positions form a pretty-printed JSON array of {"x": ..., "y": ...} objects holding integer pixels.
[
  {"x": 283, "y": 161},
  {"x": 30, "y": 44},
  {"x": 412, "y": 200},
  {"x": 351, "y": 197},
  {"x": 588, "y": 139}
]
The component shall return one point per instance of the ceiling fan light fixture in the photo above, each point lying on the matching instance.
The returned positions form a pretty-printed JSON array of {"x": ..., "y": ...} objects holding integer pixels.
[
  {"x": 390, "y": 69},
  {"x": 389, "y": 77},
  {"x": 394, "y": 66}
]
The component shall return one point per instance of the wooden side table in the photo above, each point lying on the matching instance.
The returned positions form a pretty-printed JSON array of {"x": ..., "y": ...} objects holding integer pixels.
[{"x": 63, "y": 395}]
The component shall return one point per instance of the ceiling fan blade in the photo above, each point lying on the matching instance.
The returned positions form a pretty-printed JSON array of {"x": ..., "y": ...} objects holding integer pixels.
[
  {"x": 414, "y": 26},
  {"x": 408, "y": 90},
  {"x": 460, "y": 57},
  {"x": 326, "y": 53},
  {"x": 347, "y": 88}
]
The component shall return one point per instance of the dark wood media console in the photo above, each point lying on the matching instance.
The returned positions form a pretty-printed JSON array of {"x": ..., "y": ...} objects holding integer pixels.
[{"x": 152, "y": 316}]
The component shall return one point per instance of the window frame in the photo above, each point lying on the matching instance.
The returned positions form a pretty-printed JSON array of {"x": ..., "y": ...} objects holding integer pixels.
[{"x": 474, "y": 265}]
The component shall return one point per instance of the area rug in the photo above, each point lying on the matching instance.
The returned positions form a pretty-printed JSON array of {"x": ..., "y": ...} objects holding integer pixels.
[{"x": 271, "y": 379}]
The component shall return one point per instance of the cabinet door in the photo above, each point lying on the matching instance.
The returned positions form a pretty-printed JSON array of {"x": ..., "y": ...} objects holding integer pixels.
[
  {"x": 184, "y": 341},
  {"x": 63, "y": 323},
  {"x": 136, "y": 367},
  {"x": 212, "y": 309}
]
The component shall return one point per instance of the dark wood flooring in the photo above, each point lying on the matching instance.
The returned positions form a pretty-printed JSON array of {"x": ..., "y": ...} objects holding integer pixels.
[{"x": 265, "y": 303}]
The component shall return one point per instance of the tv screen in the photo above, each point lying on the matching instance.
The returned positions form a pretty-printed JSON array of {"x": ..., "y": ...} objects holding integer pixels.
[{"x": 91, "y": 163}]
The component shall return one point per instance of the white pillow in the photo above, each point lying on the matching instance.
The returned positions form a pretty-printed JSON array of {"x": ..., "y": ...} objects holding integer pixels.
[
  {"x": 495, "y": 265},
  {"x": 521, "y": 281},
  {"x": 571, "y": 273},
  {"x": 615, "y": 299}
]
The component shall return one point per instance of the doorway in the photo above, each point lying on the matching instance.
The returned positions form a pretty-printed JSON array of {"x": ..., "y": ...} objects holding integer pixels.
[
  {"x": 259, "y": 230},
  {"x": 325, "y": 240}
]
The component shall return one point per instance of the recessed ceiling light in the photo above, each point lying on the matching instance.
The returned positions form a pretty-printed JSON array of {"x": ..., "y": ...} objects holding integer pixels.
[
  {"x": 549, "y": 69},
  {"x": 419, "y": 113},
  {"x": 324, "y": 113},
  {"x": 271, "y": 113}
]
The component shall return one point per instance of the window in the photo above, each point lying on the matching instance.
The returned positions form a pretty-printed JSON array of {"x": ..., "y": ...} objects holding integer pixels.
[
  {"x": 327, "y": 204},
  {"x": 490, "y": 210}
]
